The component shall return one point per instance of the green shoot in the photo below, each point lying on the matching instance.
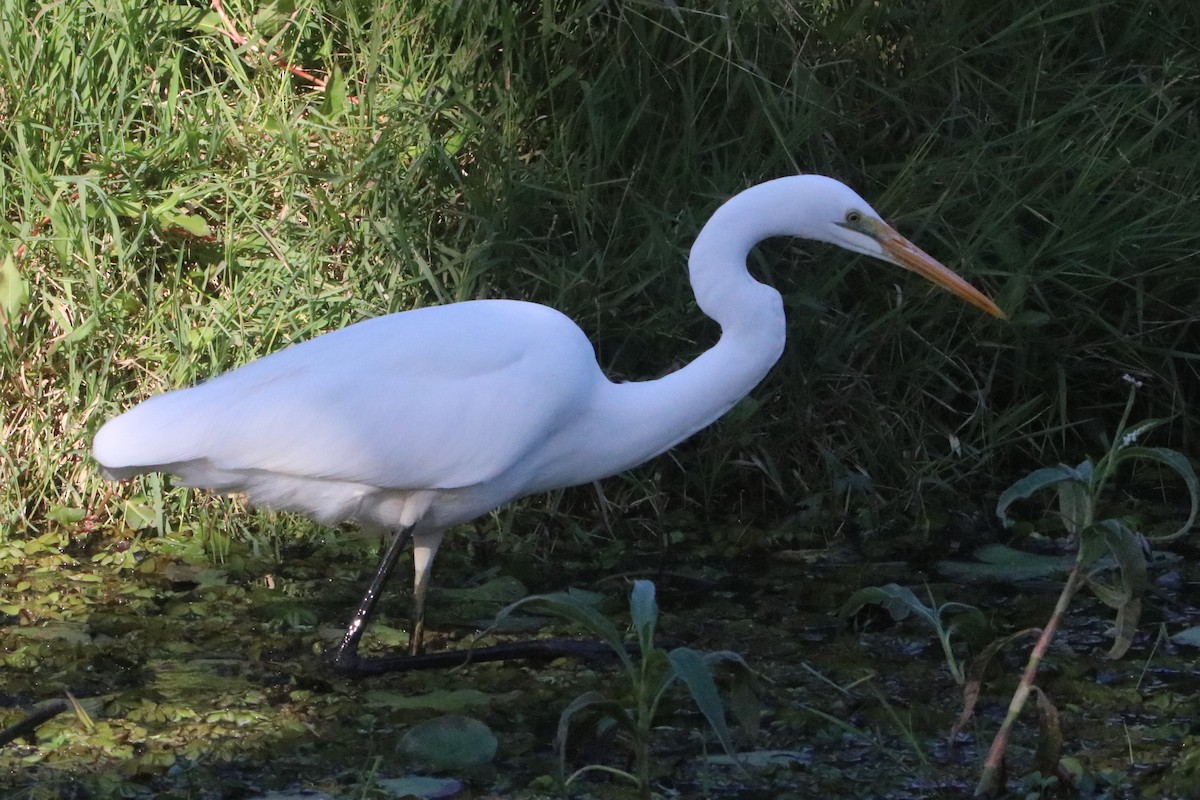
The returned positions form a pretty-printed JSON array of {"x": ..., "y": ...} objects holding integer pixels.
[
  {"x": 649, "y": 675},
  {"x": 902, "y": 603}
]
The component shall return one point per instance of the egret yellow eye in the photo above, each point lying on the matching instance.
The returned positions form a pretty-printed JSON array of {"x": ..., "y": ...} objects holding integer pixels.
[{"x": 853, "y": 217}]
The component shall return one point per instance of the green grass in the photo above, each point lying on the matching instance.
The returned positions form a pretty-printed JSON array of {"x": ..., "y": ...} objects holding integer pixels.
[{"x": 204, "y": 207}]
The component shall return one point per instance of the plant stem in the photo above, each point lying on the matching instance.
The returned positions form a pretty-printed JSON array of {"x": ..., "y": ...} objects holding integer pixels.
[{"x": 991, "y": 766}]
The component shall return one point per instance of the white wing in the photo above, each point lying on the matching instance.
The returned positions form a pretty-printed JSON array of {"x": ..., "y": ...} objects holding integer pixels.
[{"x": 436, "y": 398}]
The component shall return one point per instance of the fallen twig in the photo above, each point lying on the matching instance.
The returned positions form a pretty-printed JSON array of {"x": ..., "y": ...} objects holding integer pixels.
[{"x": 31, "y": 722}]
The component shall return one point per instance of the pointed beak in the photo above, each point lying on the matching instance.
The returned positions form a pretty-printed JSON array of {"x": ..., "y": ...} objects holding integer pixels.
[{"x": 903, "y": 253}]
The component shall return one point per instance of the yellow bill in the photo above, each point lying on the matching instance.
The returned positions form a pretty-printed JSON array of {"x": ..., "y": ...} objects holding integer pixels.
[{"x": 905, "y": 254}]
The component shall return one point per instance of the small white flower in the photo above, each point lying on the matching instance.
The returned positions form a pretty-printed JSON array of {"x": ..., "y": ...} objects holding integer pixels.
[{"x": 1132, "y": 381}]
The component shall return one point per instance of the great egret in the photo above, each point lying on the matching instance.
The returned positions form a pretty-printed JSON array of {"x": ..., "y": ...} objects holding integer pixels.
[{"x": 420, "y": 420}]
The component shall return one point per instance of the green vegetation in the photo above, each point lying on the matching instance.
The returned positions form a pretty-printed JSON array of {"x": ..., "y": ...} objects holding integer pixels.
[
  {"x": 177, "y": 202},
  {"x": 649, "y": 673},
  {"x": 1110, "y": 557},
  {"x": 902, "y": 603}
]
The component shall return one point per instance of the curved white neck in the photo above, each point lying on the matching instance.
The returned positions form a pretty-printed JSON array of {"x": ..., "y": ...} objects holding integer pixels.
[{"x": 656, "y": 415}]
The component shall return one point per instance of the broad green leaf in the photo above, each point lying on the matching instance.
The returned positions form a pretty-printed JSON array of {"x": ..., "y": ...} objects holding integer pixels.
[
  {"x": 899, "y": 601},
  {"x": 968, "y": 620},
  {"x": 14, "y": 289},
  {"x": 745, "y": 702},
  {"x": 66, "y": 515},
  {"x": 1179, "y": 463},
  {"x": 574, "y": 610},
  {"x": 1126, "y": 547},
  {"x": 1125, "y": 627},
  {"x": 1074, "y": 505},
  {"x": 193, "y": 224},
  {"x": 180, "y": 16},
  {"x": 336, "y": 100},
  {"x": 688, "y": 666},
  {"x": 643, "y": 611},
  {"x": 1113, "y": 537},
  {"x": 138, "y": 512},
  {"x": 80, "y": 332},
  {"x": 587, "y": 700},
  {"x": 1086, "y": 470},
  {"x": 1033, "y": 482}
]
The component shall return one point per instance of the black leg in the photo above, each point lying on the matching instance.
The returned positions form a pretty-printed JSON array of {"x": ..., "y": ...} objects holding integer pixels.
[{"x": 346, "y": 658}]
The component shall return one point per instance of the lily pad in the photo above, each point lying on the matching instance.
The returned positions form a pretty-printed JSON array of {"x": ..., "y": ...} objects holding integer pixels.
[
  {"x": 450, "y": 742},
  {"x": 1002, "y": 563},
  {"x": 421, "y": 786}
]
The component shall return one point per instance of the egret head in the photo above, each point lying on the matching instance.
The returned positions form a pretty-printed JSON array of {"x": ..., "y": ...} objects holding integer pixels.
[{"x": 862, "y": 230}]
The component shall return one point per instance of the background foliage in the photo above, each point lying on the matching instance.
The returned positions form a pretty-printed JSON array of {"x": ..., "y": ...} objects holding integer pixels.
[{"x": 175, "y": 204}]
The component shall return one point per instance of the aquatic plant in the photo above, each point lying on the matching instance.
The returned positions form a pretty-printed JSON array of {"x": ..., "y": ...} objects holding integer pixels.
[
  {"x": 902, "y": 603},
  {"x": 650, "y": 672},
  {"x": 1110, "y": 558}
]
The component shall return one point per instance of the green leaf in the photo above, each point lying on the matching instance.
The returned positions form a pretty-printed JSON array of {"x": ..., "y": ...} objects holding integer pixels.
[
  {"x": 745, "y": 702},
  {"x": 585, "y": 701},
  {"x": 1180, "y": 464},
  {"x": 1114, "y": 538},
  {"x": 1125, "y": 626},
  {"x": 193, "y": 224},
  {"x": 337, "y": 99},
  {"x": 969, "y": 621},
  {"x": 138, "y": 512},
  {"x": 66, "y": 515},
  {"x": 80, "y": 332},
  {"x": 899, "y": 601},
  {"x": 180, "y": 16},
  {"x": 688, "y": 666},
  {"x": 576, "y": 610},
  {"x": 1033, "y": 482},
  {"x": 643, "y": 611},
  {"x": 1074, "y": 504},
  {"x": 14, "y": 289}
]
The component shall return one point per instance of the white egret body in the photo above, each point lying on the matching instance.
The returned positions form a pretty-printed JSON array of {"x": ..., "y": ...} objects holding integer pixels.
[{"x": 423, "y": 419}]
